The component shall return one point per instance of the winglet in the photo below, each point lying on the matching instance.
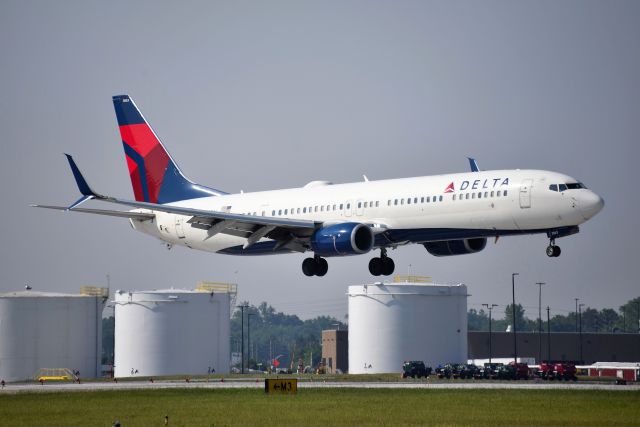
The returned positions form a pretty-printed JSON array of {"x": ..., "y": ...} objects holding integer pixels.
[
  {"x": 473, "y": 164},
  {"x": 80, "y": 181}
]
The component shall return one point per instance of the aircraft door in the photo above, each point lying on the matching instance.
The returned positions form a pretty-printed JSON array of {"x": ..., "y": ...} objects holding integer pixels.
[
  {"x": 525, "y": 193},
  {"x": 179, "y": 227},
  {"x": 359, "y": 207},
  {"x": 347, "y": 207}
]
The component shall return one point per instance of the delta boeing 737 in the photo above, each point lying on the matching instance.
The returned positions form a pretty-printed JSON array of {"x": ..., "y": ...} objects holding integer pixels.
[{"x": 449, "y": 214}]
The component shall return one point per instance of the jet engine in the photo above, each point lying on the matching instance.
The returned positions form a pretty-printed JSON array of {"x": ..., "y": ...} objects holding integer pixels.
[
  {"x": 456, "y": 247},
  {"x": 349, "y": 238}
]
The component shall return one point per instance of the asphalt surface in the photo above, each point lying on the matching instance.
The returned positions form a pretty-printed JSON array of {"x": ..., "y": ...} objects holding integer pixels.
[{"x": 234, "y": 384}]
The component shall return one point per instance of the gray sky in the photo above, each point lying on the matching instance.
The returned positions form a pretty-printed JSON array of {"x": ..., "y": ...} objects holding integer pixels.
[{"x": 261, "y": 95}]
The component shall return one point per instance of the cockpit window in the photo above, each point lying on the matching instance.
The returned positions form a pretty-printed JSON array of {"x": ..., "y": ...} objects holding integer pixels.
[
  {"x": 575, "y": 185},
  {"x": 565, "y": 187}
]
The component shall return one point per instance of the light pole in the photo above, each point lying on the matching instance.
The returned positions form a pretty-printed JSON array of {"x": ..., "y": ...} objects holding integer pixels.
[
  {"x": 513, "y": 310},
  {"x": 580, "y": 322},
  {"x": 548, "y": 336},
  {"x": 242, "y": 307},
  {"x": 638, "y": 304},
  {"x": 540, "y": 285},
  {"x": 249, "y": 336},
  {"x": 577, "y": 299},
  {"x": 490, "y": 307}
]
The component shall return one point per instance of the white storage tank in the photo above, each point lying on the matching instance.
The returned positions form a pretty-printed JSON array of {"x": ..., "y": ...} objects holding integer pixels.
[
  {"x": 50, "y": 334},
  {"x": 390, "y": 323},
  {"x": 171, "y": 332}
]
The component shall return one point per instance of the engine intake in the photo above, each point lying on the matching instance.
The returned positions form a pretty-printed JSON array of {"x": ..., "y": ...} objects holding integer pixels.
[
  {"x": 456, "y": 247},
  {"x": 350, "y": 238}
]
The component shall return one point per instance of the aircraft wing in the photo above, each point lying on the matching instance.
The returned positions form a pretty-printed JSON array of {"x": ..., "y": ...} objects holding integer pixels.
[
  {"x": 290, "y": 233},
  {"x": 140, "y": 216}
]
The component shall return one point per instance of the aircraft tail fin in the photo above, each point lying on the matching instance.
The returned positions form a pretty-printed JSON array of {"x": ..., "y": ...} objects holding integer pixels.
[
  {"x": 473, "y": 165},
  {"x": 155, "y": 177}
]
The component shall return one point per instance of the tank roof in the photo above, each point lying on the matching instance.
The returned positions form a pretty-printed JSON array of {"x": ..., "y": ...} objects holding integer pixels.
[{"x": 39, "y": 294}]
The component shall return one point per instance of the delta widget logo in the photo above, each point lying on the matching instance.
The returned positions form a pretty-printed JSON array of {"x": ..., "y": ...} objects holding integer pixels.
[{"x": 449, "y": 188}]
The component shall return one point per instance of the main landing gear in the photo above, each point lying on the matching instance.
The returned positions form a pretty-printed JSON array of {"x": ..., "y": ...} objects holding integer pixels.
[
  {"x": 553, "y": 251},
  {"x": 315, "y": 266},
  {"x": 383, "y": 265}
]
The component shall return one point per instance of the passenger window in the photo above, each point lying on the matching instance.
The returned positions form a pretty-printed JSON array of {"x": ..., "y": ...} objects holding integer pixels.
[
  {"x": 505, "y": 193},
  {"x": 479, "y": 195},
  {"x": 441, "y": 198},
  {"x": 421, "y": 199},
  {"x": 467, "y": 196},
  {"x": 415, "y": 200},
  {"x": 486, "y": 194},
  {"x": 389, "y": 202},
  {"x": 428, "y": 199},
  {"x": 304, "y": 210},
  {"x": 377, "y": 203},
  {"x": 498, "y": 193},
  {"x": 492, "y": 194},
  {"x": 454, "y": 197},
  {"x": 395, "y": 202},
  {"x": 365, "y": 204},
  {"x": 279, "y": 212},
  {"x": 334, "y": 207},
  {"x": 359, "y": 204},
  {"x": 285, "y": 211},
  {"x": 341, "y": 206},
  {"x": 348, "y": 206},
  {"x": 273, "y": 213},
  {"x": 409, "y": 201},
  {"x": 473, "y": 195},
  {"x": 402, "y": 201}
]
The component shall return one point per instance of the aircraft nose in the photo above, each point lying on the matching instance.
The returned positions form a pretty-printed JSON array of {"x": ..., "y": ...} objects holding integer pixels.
[{"x": 591, "y": 204}]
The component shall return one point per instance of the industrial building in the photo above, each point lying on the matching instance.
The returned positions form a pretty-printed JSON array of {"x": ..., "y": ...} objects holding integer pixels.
[
  {"x": 585, "y": 347},
  {"x": 335, "y": 351},
  {"x": 411, "y": 320},
  {"x": 51, "y": 334},
  {"x": 173, "y": 331}
]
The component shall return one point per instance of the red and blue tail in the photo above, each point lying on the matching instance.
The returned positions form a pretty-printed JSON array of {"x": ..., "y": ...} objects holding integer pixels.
[{"x": 155, "y": 177}]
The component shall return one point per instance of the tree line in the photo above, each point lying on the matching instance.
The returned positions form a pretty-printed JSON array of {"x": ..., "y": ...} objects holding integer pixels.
[{"x": 587, "y": 319}]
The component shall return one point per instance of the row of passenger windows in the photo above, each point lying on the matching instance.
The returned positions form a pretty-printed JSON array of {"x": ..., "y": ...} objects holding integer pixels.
[
  {"x": 390, "y": 202},
  {"x": 322, "y": 208},
  {"x": 414, "y": 200},
  {"x": 480, "y": 195}
]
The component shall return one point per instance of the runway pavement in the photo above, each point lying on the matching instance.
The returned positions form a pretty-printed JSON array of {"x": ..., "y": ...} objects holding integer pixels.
[{"x": 259, "y": 384}]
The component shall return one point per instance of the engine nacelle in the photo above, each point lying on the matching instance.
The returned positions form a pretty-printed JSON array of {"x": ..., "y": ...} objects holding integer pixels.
[
  {"x": 349, "y": 238},
  {"x": 456, "y": 247}
]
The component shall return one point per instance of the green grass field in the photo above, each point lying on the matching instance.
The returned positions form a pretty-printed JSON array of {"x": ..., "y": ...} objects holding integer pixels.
[{"x": 315, "y": 407}]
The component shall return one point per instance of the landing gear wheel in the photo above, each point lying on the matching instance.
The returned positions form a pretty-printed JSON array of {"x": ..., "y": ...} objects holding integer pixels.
[
  {"x": 309, "y": 267},
  {"x": 315, "y": 266},
  {"x": 321, "y": 267},
  {"x": 388, "y": 266},
  {"x": 375, "y": 266},
  {"x": 553, "y": 251}
]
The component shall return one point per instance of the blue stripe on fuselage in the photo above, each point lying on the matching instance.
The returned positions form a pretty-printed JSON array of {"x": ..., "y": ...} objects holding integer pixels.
[{"x": 391, "y": 237}]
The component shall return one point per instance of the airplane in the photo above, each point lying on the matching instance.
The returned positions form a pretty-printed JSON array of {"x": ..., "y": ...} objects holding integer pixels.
[{"x": 449, "y": 214}]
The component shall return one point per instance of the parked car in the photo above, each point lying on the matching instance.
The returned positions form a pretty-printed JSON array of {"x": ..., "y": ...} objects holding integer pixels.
[{"x": 415, "y": 369}]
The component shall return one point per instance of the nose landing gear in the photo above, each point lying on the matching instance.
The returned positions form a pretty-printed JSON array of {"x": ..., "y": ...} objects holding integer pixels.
[
  {"x": 383, "y": 265},
  {"x": 553, "y": 251},
  {"x": 315, "y": 266}
]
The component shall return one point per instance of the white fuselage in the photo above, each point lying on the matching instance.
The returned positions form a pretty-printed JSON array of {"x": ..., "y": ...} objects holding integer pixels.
[{"x": 412, "y": 210}]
